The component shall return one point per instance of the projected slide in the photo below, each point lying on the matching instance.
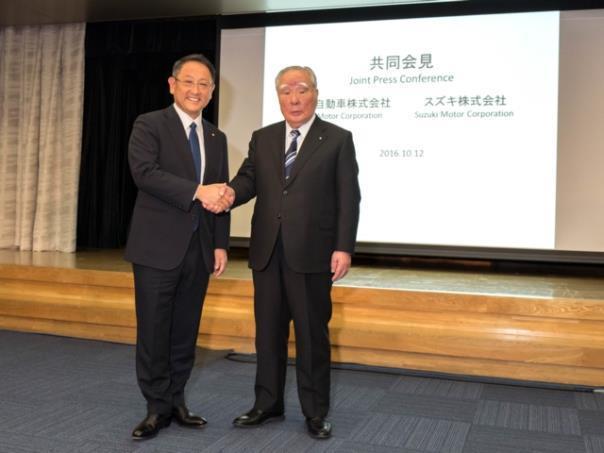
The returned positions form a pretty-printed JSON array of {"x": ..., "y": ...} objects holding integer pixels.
[{"x": 454, "y": 121}]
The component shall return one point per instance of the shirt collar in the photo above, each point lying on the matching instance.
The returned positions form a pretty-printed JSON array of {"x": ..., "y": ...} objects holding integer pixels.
[
  {"x": 186, "y": 119},
  {"x": 302, "y": 129}
]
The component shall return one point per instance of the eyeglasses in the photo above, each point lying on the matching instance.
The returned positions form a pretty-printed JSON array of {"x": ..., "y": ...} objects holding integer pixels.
[{"x": 189, "y": 84}]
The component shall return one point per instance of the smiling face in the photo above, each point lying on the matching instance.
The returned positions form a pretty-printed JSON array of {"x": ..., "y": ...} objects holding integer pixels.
[
  {"x": 192, "y": 88},
  {"x": 297, "y": 97}
]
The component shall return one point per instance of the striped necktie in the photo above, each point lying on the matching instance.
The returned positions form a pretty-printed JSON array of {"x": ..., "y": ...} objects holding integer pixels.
[{"x": 292, "y": 151}]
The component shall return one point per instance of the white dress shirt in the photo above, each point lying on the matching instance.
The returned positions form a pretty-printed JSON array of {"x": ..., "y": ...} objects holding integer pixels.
[
  {"x": 303, "y": 132},
  {"x": 186, "y": 123}
]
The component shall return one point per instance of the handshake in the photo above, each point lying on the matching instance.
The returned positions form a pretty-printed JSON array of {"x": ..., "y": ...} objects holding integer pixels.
[{"x": 215, "y": 198}]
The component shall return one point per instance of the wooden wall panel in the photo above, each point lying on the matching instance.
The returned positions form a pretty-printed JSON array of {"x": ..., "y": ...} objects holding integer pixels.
[{"x": 549, "y": 339}]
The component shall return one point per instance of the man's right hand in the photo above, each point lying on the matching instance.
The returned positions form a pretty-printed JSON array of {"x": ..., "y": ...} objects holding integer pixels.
[{"x": 215, "y": 198}]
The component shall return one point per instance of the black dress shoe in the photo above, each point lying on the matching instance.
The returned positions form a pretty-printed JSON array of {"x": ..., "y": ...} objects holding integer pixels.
[
  {"x": 150, "y": 426},
  {"x": 185, "y": 418},
  {"x": 318, "y": 427},
  {"x": 256, "y": 417}
]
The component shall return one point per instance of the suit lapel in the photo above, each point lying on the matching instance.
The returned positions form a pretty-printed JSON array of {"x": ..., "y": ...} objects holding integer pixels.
[
  {"x": 315, "y": 138},
  {"x": 209, "y": 143},
  {"x": 278, "y": 155},
  {"x": 181, "y": 142}
]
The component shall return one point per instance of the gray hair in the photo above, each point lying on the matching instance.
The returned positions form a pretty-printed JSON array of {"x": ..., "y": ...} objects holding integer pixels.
[{"x": 310, "y": 72}]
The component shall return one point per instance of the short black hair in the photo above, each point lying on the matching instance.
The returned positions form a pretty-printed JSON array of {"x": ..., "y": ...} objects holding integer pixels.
[{"x": 199, "y": 58}]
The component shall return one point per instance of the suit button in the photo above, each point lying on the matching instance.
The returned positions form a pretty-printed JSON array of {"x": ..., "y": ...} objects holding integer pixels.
[
  {"x": 279, "y": 216},
  {"x": 285, "y": 192}
]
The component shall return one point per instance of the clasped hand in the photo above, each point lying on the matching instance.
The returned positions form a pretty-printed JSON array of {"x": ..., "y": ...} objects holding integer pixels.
[{"x": 215, "y": 198}]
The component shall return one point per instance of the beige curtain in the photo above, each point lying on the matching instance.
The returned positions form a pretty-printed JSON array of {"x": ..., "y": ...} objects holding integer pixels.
[{"x": 41, "y": 103}]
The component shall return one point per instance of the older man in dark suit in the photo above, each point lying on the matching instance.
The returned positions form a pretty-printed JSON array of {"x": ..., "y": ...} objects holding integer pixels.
[
  {"x": 303, "y": 173},
  {"x": 175, "y": 244}
]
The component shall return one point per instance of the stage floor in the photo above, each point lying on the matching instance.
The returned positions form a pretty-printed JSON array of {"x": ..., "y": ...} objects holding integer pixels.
[{"x": 479, "y": 278}]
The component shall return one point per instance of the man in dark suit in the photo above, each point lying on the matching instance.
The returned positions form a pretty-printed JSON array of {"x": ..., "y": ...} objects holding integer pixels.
[
  {"x": 303, "y": 173},
  {"x": 174, "y": 243}
]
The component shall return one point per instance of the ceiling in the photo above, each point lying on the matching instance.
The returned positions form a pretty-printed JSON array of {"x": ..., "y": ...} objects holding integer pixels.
[{"x": 34, "y": 12}]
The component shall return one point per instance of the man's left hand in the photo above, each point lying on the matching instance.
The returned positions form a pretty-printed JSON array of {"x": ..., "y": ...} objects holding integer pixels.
[
  {"x": 340, "y": 263},
  {"x": 220, "y": 261}
]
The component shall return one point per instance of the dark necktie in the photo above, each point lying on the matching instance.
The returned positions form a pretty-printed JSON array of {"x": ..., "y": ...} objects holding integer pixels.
[
  {"x": 195, "y": 150},
  {"x": 292, "y": 151}
]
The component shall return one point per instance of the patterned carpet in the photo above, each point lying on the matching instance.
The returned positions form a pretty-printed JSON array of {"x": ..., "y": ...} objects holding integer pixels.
[{"x": 67, "y": 395}]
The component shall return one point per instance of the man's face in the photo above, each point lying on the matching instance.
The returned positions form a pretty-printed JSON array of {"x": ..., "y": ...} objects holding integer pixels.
[
  {"x": 192, "y": 88},
  {"x": 297, "y": 97}
]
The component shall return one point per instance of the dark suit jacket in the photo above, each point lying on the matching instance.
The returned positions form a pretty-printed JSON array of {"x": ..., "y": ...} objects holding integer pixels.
[
  {"x": 317, "y": 209},
  {"x": 162, "y": 168}
]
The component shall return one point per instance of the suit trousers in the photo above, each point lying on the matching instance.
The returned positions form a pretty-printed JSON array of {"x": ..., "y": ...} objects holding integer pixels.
[
  {"x": 282, "y": 295},
  {"x": 168, "y": 312}
]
